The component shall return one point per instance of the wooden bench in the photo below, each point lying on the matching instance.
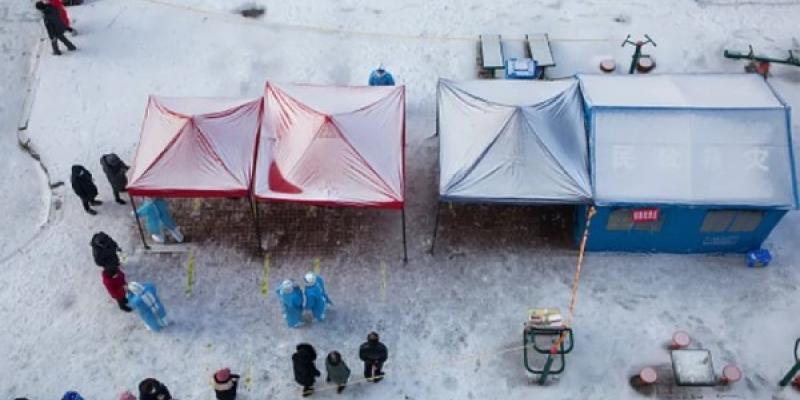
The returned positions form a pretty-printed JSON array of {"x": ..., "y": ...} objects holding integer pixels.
[
  {"x": 491, "y": 52},
  {"x": 539, "y": 46}
]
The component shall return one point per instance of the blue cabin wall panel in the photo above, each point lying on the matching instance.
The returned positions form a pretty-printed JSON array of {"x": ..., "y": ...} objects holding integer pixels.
[{"x": 680, "y": 232}]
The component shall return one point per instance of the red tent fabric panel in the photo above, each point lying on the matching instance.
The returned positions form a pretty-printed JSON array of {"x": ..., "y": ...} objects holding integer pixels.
[
  {"x": 209, "y": 154},
  {"x": 332, "y": 145}
]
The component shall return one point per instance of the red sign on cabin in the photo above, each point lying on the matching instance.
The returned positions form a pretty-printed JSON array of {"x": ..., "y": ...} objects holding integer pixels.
[{"x": 645, "y": 215}]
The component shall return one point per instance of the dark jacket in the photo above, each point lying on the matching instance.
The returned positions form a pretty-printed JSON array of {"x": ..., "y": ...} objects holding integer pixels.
[
  {"x": 104, "y": 250},
  {"x": 151, "y": 389},
  {"x": 52, "y": 21},
  {"x": 337, "y": 373},
  {"x": 373, "y": 352},
  {"x": 115, "y": 171},
  {"x": 303, "y": 362},
  {"x": 82, "y": 183},
  {"x": 226, "y": 390}
]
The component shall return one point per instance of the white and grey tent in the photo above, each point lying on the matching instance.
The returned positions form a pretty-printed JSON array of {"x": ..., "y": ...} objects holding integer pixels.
[{"x": 513, "y": 142}]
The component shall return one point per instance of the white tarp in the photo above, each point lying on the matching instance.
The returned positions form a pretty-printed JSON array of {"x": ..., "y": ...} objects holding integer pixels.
[
  {"x": 512, "y": 141},
  {"x": 682, "y": 139}
]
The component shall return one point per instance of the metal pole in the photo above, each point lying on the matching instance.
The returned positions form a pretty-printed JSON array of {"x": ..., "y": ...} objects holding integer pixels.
[
  {"x": 254, "y": 212},
  {"x": 435, "y": 227},
  {"x": 405, "y": 247},
  {"x": 792, "y": 372},
  {"x": 138, "y": 222}
]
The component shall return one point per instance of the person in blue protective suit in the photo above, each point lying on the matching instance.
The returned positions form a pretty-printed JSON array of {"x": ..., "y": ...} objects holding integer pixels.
[
  {"x": 292, "y": 300},
  {"x": 381, "y": 77},
  {"x": 144, "y": 299},
  {"x": 317, "y": 299},
  {"x": 157, "y": 219}
]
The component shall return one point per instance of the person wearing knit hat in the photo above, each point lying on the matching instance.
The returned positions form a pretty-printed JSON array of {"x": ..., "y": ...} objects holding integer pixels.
[
  {"x": 225, "y": 384},
  {"x": 126, "y": 395},
  {"x": 317, "y": 299},
  {"x": 292, "y": 300}
]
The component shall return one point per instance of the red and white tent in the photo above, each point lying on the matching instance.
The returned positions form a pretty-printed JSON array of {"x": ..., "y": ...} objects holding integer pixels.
[
  {"x": 196, "y": 147},
  {"x": 323, "y": 145},
  {"x": 332, "y": 145}
]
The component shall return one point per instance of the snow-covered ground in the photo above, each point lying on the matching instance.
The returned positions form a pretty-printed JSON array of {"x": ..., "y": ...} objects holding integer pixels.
[{"x": 452, "y": 321}]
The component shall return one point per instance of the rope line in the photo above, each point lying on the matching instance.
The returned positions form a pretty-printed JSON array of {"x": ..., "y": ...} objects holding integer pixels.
[{"x": 349, "y": 32}]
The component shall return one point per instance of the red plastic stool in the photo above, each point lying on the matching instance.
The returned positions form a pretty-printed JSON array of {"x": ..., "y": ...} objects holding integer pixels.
[
  {"x": 731, "y": 374},
  {"x": 680, "y": 339},
  {"x": 648, "y": 375},
  {"x": 608, "y": 65}
]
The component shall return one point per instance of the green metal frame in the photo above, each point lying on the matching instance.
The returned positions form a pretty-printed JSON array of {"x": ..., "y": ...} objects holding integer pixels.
[
  {"x": 750, "y": 55},
  {"x": 792, "y": 372},
  {"x": 565, "y": 346}
]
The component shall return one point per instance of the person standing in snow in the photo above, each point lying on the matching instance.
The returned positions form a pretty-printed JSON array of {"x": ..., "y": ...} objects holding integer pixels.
[
  {"x": 114, "y": 281},
  {"x": 55, "y": 27},
  {"x": 338, "y": 372},
  {"x": 115, "y": 171},
  {"x": 374, "y": 354},
  {"x": 157, "y": 218},
  {"x": 84, "y": 187},
  {"x": 292, "y": 300},
  {"x": 225, "y": 384},
  {"x": 72, "y": 395},
  {"x": 317, "y": 299},
  {"x": 381, "y": 77},
  {"x": 152, "y": 389},
  {"x": 144, "y": 299},
  {"x": 104, "y": 250},
  {"x": 62, "y": 12},
  {"x": 305, "y": 372}
]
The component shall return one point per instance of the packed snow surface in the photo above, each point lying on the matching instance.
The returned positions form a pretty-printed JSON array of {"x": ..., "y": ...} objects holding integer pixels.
[{"x": 452, "y": 320}]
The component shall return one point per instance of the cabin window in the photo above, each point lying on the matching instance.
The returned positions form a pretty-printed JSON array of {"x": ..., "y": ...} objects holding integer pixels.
[
  {"x": 620, "y": 220},
  {"x": 719, "y": 221}
]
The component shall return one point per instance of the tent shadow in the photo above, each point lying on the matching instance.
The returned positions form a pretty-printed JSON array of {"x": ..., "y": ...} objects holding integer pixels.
[
  {"x": 286, "y": 228},
  {"x": 500, "y": 227}
]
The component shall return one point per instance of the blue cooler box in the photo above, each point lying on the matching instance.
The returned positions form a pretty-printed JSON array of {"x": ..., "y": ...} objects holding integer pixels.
[
  {"x": 758, "y": 258},
  {"x": 520, "y": 68}
]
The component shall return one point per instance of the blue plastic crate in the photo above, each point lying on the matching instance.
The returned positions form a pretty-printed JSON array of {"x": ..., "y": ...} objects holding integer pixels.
[
  {"x": 520, "y": 68},
  {"x": 758, "y": 258}
]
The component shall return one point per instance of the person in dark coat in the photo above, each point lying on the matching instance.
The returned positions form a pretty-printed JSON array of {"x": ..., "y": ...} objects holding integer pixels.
[
  {"x": 152, "y": 389},
  {"x": 115, "y": 171},
  {"x": 374, "y": 354},
  {"x": 305, "y": 372},
  {"x": 115, "y": 283},
  {"x": 225, "y": 384},
  {"x": 338, "y": 372},
  {"x": 55, "y": 27},
  {"x": 104, "y": 250},
  {"x": 83, "y": 185}
]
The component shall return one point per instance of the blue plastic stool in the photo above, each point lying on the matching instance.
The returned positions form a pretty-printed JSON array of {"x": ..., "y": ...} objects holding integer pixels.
[{"x": 758, "y": 258}]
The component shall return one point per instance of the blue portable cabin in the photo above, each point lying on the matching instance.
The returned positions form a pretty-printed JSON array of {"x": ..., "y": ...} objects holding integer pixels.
[{"x": 686, "y": 163}]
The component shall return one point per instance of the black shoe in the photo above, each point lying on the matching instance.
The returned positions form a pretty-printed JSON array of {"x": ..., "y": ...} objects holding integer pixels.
[
  {"x": 73, "y": 48},
  {"x": 95, "y": 202},
  {"x": 91, "y": 212},
  {"x": 57, "y": 53},
  {"x": 340, "y": 389},
  {"x": 308, "y": 391},
  {"x": 126, "y": 309},
  {"x": 120, "y": 201}
]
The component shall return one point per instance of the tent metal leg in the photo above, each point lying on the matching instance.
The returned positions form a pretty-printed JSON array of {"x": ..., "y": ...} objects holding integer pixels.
[
  {"x": 435, "y": 227},
  {"x": 138, "y": 222},
  {"x": 405, "y": 246},
  {"x": 256, "y": 225}
]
